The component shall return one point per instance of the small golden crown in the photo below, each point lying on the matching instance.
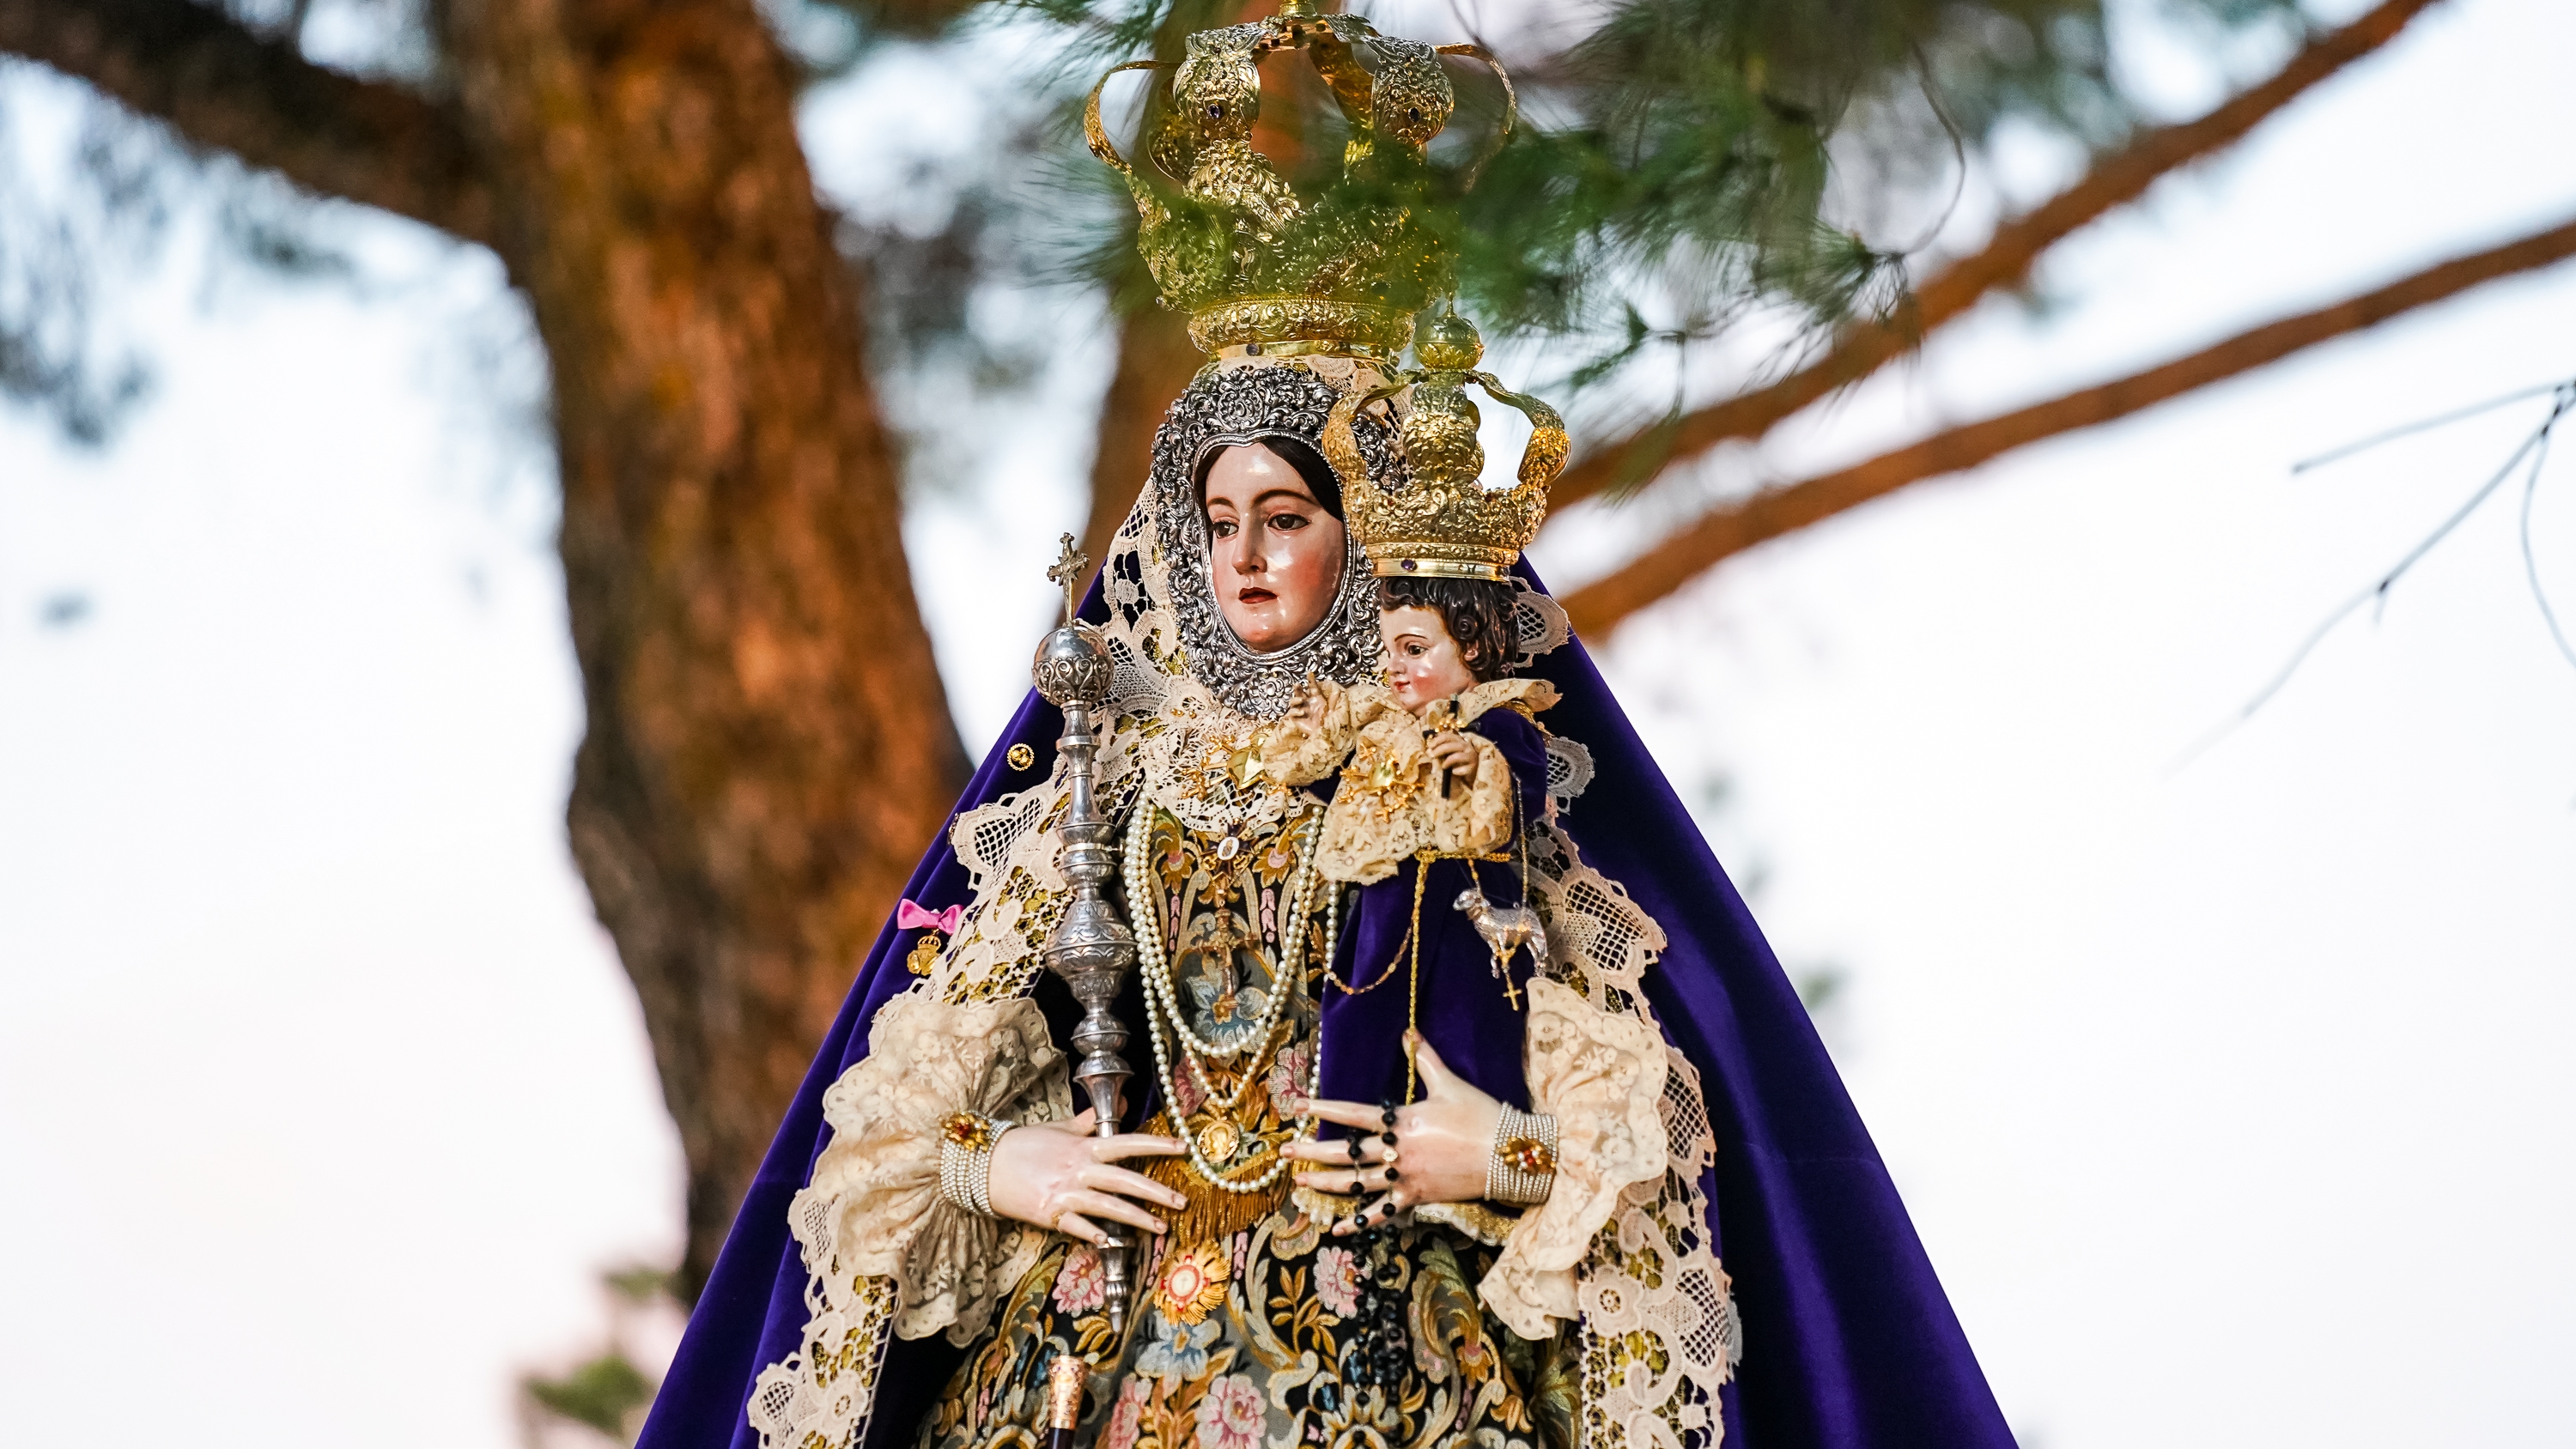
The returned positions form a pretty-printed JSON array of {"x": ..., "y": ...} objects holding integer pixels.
[
  {"x": 1442, "y": 521},
  {"x": 1232, "y": 244}
]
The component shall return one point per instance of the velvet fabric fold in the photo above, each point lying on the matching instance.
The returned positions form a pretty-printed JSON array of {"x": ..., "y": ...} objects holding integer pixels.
[
  {"x": 1472, "y": 1026},
  {"x": 1849, "y": 1340}
]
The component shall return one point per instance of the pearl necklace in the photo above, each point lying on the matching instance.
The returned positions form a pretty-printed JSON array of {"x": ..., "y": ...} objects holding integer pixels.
[
  {"x": 1158, "y": 967},
  {"x": 1162, "y": 1003}
]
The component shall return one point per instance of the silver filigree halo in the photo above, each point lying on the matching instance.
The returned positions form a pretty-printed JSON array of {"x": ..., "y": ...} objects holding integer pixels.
[{"x": 1242, "y": 405}]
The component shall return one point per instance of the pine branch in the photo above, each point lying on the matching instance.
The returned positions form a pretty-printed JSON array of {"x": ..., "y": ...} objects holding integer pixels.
[
  {"x": 1863, "y": 348},
  {"x": 1598, "y": 607},
  {"x": 225, "y": 87}
]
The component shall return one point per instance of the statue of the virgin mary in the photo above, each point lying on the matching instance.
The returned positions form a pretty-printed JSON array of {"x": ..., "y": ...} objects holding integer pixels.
[{"x": 1471, "y": 1107}]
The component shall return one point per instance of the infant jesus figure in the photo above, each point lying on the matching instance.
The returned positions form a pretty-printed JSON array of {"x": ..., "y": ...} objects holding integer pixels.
[{"x": 1440, "y": 767}]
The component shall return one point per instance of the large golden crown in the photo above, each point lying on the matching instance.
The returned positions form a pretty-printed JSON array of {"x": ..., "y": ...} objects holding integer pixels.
[
  {"x": 1441, "y": 521},
  {"x": 1234, "y": 246}
]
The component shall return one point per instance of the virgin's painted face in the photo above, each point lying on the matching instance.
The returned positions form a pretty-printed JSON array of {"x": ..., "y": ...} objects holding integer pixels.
[{"x": 1274, "y": 554}]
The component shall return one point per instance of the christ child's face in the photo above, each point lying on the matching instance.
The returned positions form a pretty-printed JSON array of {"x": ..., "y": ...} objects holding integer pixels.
[
  {"x": 1423, "y": 664},
  {"x": 1274, "y": 553}
]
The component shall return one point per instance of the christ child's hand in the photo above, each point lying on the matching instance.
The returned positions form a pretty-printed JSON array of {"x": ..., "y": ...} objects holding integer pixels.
[{"x": 1450, "y": 751}]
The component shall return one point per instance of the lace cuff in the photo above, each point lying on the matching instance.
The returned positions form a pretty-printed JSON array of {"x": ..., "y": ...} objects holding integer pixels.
[
  {"x": 1602, "y": 1077},
  {"x": 878, "y": 1184},
  {"x": 1512, "y": 691}
]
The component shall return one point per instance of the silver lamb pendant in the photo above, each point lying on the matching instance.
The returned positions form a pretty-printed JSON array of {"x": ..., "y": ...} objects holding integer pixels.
[{"x": 1506, "y": 929}]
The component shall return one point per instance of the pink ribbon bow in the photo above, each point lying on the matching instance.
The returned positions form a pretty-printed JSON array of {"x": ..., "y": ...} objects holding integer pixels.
[{"x": 909, "y": 915}]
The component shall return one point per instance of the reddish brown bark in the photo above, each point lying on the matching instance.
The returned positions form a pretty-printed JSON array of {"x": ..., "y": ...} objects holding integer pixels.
[
  {"x": 1599, "y": 607},
  {"x": 769, "y": 748},
  {"x": 1862, "y": 349},
  {"x": 1155, "y": 361},
  {"x": 224, "y": 87}
]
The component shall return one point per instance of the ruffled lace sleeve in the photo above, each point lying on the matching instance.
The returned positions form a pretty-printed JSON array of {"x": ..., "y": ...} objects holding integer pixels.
[
  {"x": 874, "y": 1206},
  {"x": 1512, "y": 691},
  {"x": 1477, "y": 819},
  {"x": 1296, "y": 753},
  {"x": 1602, "y": 1077}
]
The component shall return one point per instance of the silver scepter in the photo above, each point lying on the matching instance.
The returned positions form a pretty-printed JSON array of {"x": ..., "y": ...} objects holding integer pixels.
[{"x": 1091, "y": 949}]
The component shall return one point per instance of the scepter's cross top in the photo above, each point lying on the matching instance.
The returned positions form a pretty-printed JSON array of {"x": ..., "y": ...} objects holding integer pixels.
[{"x": 1067, "y": 573}]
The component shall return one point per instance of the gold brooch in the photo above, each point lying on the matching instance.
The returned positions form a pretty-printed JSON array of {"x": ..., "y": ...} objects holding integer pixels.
[
  {"x": 1021, "y": 757},
  {"x": 1219, "y": 1141},
  {"x": 1526, "y": 1154},
  {"x": 1192, "y": 1282},
  {"x": 967, "y": 1131}
]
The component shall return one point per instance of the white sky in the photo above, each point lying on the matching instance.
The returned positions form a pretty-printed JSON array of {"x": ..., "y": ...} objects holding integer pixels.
[{"x": 2233, "y": 1101}]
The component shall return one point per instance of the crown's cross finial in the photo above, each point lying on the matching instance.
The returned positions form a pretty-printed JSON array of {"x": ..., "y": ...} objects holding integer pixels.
[{"x": 1068, "y": 574}]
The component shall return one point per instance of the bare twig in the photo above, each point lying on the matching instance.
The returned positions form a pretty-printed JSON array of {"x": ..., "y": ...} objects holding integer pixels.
[
  {"x": 2534, "y": 447},
  {"x": 2530, "y": 561},
  {"x": 1767, "y": 515},
  {"x": 2408, "y": 430},
  {"x": 1863, "y": 348}
]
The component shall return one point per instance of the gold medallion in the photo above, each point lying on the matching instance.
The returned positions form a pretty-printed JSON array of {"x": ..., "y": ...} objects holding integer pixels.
[
  {"x": 1219, "y": 1140},
  {"x": 1021, "y": 757}
]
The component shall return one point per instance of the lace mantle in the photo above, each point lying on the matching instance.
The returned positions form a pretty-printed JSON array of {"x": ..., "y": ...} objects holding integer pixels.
[{"x": 1602, "y": 1078}]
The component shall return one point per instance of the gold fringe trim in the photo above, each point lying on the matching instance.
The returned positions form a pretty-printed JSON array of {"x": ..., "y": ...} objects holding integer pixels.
[{"x": 1214, "y": 1214}]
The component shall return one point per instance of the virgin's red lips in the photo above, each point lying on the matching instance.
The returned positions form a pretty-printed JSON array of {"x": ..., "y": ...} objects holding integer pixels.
[{"x": 1255, "y": 596}]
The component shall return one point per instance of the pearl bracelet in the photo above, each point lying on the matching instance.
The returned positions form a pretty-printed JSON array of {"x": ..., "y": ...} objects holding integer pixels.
[
  {"x": 1522, "y": 1170},
  {"x": 966, "y": 1160}
]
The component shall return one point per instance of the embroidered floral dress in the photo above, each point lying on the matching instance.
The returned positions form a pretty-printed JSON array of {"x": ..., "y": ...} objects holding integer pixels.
[{"x": 1254, "y": 1326}]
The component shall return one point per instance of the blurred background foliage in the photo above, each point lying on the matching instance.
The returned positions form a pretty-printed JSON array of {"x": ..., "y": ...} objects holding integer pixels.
[{"x": 1672, "y": 177}]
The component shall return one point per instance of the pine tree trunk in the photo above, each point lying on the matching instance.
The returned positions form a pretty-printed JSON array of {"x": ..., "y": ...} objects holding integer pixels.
[
  {"x": 1155, "y": 362},
  {"x": 769, "y": 747}
]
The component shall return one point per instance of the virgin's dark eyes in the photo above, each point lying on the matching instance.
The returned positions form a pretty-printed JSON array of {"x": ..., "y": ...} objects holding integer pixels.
[{"x": 1221, "y": 527}]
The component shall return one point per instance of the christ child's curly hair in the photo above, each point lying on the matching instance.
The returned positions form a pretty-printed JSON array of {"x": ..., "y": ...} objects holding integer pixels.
[{"x": 1477, "y": 613}]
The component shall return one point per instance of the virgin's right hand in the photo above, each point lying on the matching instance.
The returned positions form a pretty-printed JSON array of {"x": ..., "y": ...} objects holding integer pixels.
[{"x": 1057, "y": 1175}]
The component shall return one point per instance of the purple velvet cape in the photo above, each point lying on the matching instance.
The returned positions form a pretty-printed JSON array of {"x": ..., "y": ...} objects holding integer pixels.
[{"x": 1849, "y": 1342}]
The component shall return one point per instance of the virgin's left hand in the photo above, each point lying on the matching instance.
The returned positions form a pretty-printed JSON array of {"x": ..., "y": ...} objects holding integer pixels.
[{"x": 1442, "y": 1146}]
